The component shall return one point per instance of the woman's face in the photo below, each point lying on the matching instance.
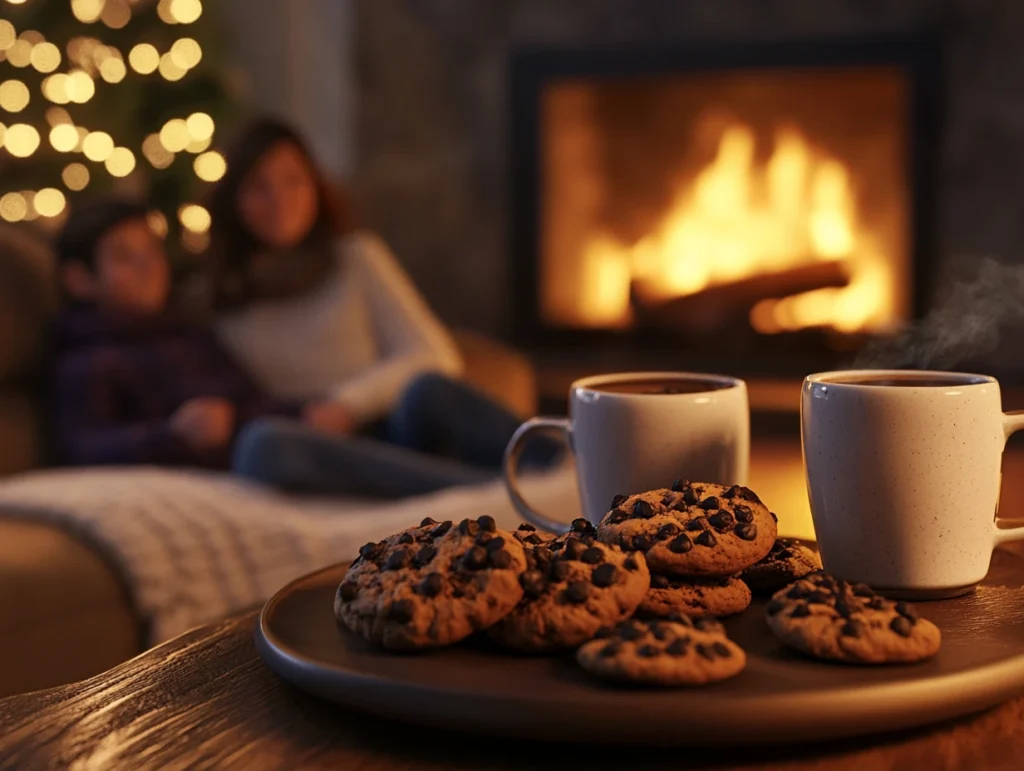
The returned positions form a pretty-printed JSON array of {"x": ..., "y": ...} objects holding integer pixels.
[{"x": 277, "y": 200}]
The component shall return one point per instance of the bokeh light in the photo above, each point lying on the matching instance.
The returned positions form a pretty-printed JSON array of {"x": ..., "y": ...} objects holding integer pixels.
[
  {"x": 144, "y": 58},
  {"x": 87, "y": 11},
  {"x": 169, "y": 70},
  {"x": 158, "y": 156},
  {"x": 75, "y": 176},
  {"x": 185, "y": 11},
  {"x": 116, "y": 14},
  {"x": 57, "y": 115},
  {"x": 30, "y": 213},
  {"x": 163, "y": 10},
  {"x": 200, "y": 126},
  {"x": 13, "y": 207},
  {"x": 34, "y": 38},
  {"x": 174, "y": 135},
  {"x": 210, "y": 167},
  {"x": 3, "y": 133},
  {"x": 55, "y": 88},
  {"x": 98, "y": 146},
  {"x": 64, "y": 137},
  {"x": 14, "y": 95},
  {"x": 20, "y": 53},
  {"x": 194, "y": 217},
  {"x": 7, "y": 34},
  {"x": 186, "y": 53},
  {"x": 45, "y": 57},
  {"x": 121, "y": 162},
  {"x": 83, "y": 132},
  {"x": 49, "y": 202},
  {"x": 80, "y": 87},
  {"x": 157, "y": 223},
  {"x": 195, "y": 242},
  {"x": 113, "y": 70},
  {"x": 21, "y": 140}
]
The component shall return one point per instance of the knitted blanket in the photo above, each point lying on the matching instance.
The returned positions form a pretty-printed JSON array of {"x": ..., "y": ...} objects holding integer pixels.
[{"x": 196, "y": 546}]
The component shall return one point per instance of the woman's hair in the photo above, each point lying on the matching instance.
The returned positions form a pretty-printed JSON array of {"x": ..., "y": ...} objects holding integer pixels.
[
  {"x": 232, "y": 246},
  {"x": 88, "y": 222}
]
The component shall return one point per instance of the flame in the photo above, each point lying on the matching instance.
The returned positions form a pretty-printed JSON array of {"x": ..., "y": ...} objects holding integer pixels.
[{"x": 738, "y": 218}]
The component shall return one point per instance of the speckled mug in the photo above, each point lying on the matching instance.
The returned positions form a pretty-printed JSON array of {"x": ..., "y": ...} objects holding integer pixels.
[{"x": 903, "y": 473}]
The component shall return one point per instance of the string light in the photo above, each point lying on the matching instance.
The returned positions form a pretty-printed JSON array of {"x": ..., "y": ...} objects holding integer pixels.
[
  {"x": 144, "y": 58},
  {"x": 45, "y": 57},
  {"x": 75, "y": 176},
  {"x": 33, "y": 36},
  {"x": 14, "y": 95},
  {"x": 7, "y": 34},
  {"x": 185, "y": 11},
  {"x": 97, "y": 146},
  {"x": 13, "y": 207},
  {"x": 200, "y": 126},
  {"x": 49, "y": 202},
  {"x": 210, "y": 167},
  {"x": 157, "y": 223},
  {"x": 186, "y": 53},
  {"x": 174, "y": 135},
  {"x": 15, "y": 2},
  {"x": 57, "y": 115},
  {"x": 169, "y": 70},
  {"x": 163, "y": 10},
  {"x": 113, "y": 70},
  {"x": 64, "y": 137},
  {"x": 157, "y": 155},
  {"x": 30, "y": 213},
  {"x": 21, "y": 140},
  {"x": 116, "y": 14},
  {"x": 55, "y": 88},
  {"x": 80, "y": 87},
  {"x": 82, "y": 134},
  {"x": 198, "y": 145},
  {"x": 121, "y": 162},
  {"x": 87, "y": 11},
  {"x": 3, "y": 133},
  {"x": 194, "y": 217},
  {"x": 20, "y": 53}
]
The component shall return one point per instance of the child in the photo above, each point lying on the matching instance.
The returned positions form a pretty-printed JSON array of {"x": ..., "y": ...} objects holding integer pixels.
[{"x": 133, "y": 383}]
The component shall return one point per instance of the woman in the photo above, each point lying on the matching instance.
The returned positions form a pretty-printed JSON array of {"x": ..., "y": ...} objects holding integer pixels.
[{"x": 318, "y": 310}]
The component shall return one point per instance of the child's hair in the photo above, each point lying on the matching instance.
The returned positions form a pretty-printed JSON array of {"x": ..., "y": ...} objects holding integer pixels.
[
  {"x": 232, "y": 246},
  {"x": 88, "y": 222}
]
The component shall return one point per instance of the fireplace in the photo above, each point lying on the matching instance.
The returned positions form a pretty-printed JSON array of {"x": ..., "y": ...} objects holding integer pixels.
[{"x": 771, "y": 202}]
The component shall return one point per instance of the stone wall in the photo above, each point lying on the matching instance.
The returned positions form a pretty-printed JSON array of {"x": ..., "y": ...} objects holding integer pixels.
[{"x": 430, "y": 163}]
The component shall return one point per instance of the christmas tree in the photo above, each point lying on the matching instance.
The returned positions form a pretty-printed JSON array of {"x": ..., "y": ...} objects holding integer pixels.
[{"x": 110, "y": 94}]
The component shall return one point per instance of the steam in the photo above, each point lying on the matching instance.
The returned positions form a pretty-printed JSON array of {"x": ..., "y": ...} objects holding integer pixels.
[{"x": 965, "y": 322}]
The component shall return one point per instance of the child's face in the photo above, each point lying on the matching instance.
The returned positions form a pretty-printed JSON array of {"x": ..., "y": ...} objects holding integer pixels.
[
  {"x": 277, "y": 200},
  {"x": 131, "y": 272}
]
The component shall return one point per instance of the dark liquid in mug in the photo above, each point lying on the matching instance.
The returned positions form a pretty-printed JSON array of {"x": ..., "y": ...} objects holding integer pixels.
[
  {"x": 906, "y": 381},
  {"x": 660, "y": 386}
]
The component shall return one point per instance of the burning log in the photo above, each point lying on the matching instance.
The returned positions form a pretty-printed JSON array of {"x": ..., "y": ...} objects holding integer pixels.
[{"x": 725, "y": 305}]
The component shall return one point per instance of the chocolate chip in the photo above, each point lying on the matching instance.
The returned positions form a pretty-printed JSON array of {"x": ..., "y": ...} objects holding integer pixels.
[
  {"x": 877, "y": 603},
  {"x": 902, "y": 626},
  {"x": 710, "y": 504},
  {"x": 593, "y": 556},
  {"x": 583, "y": 526},
  {"x": 707, "y": 538},
  {"x": 630, "y": 563},
  {"x": 431, "y": 585},
  {"x": 678, "y": 647},
  {"x": 533, "y": 583},
  {"x": 746, "y": 531},
  {"x": 616, "y": 516},
  {"x": 441, "y": 529},
  {"x": 773, "y": 515},
  {"x": 402, "y": 611},
  {"x": 680, "y": 485},
  {"x": 667, "y": 531},
  {"x": 527, "y": 527},
  {"x": 732, "y": 492},
  {"x": 722, "y": 520},
  {"x": 612, "y": 649},
  {"x": 643, "y": 509},
  {"x": 475, "y": 558},
  {"x": 500, "y": 559},
  {"x": 659, "y": 581},
  {"x": 405, "y": 538},
  {"x": 641, "y": 542},
  {"x": 483, "y": 537},
  {"x": 818, "y": 597},
  {"x": 603, "y": 632},
  {"x": 631, "y": 631},
  {"x": 397, "y": 559},
  {"x": 843, "y": 610},
  {"x": 368, "y": 551},
  {"x": 706, "y": 651},
  {"x": 852, "y": 628},
  {"x": 774, "y": 606},
  {"x": 573, "y": 549},
  {"x": 798, "y": 591},
  {"x": 559, "y": 570},
  {"x": 906, "y": 611},
  {"x": 532, "y": 539},
  {"x": 680, "y": 544},
  {"x": 707, "y": 625},
  {"x": 617, "y": 500},
  {"x": 668, "y": 500},
  {"x": 495, "y": 544},
  {"x": 348, "y": 591},
  {"x": 743, "y": 513},
  {"x": 748, "y": 495},
  {"x": 648, "y": 651},
  {"x": 721, "y": 649},
  {"x": 800, "y": 610},
  {"x": 660, "y": 631},
  {"x": 603, "y": 575},
  {"x": 690, "y": 496},
  {"x": 698, "y": 523},
  {"x": 427, "y": 521},
  {"x": 543, "y": 555},
  {"x": 424, "y": 556},
  {"x": 577, "y": 592},
  {"x": 469, "y": 527}
]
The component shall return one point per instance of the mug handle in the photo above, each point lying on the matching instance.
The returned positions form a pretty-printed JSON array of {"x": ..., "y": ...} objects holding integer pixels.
[
  {"x": 510, "y": 464},
  {"x": 1012, "y": 422}
]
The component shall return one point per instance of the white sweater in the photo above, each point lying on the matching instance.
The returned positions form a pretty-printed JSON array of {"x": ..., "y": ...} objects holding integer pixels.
[{"x": 360, "y": 338}]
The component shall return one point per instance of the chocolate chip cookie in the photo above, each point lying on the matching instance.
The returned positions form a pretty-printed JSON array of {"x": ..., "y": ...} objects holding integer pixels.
[
  {"x": 573, "y": 585},
  {"x": 839, "y": 621},
  {"x": 432, "y": 585},
  {"x": 677, "y": 652},
  {"x": 697, "y": 529},
  {"x": 695, "y": 597},
  {"x": 786, "y": 562}
]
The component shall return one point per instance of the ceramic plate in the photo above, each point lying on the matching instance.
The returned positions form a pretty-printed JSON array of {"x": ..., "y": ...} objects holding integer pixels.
[{"x": 779, "y": 697}]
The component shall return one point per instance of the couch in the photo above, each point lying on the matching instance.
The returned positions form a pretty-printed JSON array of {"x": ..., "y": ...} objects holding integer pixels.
[{"x": 66, "y": 610}]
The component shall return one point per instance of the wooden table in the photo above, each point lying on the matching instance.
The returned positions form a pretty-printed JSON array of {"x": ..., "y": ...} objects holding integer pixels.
[{"x": 205, "y": 700}]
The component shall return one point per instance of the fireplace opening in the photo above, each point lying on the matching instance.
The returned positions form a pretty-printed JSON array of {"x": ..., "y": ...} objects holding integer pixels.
[{"x": 774, "y": 201}]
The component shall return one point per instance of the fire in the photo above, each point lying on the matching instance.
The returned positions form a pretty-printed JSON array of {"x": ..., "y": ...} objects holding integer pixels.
[{"x": 739, "y": 218}]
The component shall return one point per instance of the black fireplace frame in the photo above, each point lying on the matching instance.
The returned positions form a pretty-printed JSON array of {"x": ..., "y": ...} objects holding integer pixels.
[{"x": 918, "y": 55}]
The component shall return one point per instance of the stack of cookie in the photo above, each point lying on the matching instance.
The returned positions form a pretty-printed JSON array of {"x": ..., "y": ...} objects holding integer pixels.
[{"x": 695, "y": 538}]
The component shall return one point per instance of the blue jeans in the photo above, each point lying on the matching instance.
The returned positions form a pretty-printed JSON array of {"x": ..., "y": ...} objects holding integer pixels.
[{"x": 441, "y": 434}]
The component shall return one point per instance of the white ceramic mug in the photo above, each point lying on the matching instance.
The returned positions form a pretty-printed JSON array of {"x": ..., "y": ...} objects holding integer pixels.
[
  {"x": 628, "y": 442},
  {"x": 903, "y": 472}
]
